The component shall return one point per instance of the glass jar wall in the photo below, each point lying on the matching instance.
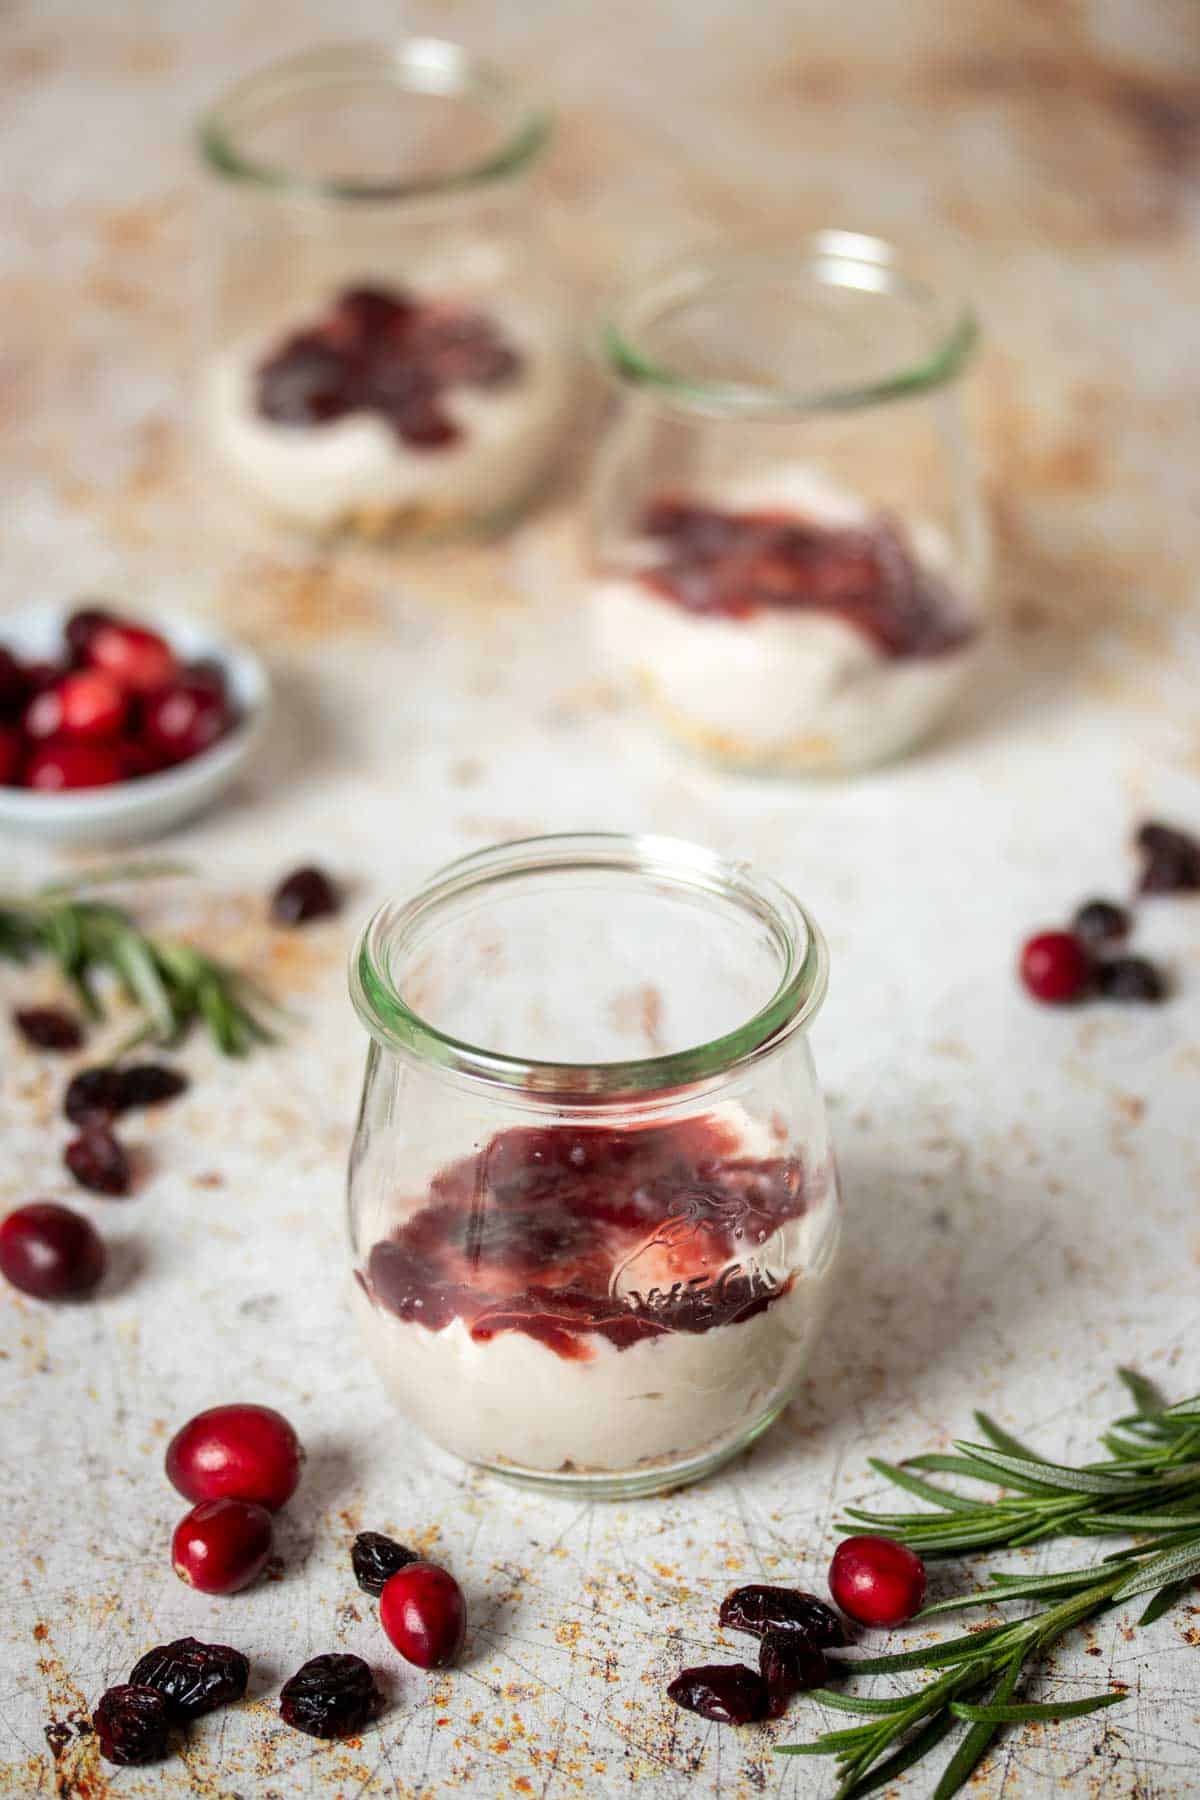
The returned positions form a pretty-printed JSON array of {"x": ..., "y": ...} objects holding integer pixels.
[
  {"x": 789, "y": 551},
  {"x": 384, "y": 347},
  {"x": 593, "y": 1206}
]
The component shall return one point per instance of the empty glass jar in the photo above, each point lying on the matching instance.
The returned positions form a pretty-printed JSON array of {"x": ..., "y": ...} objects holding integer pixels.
[
  {"x": 593, "y": 1205},
  {"x": 789, "y": 551},
  {"x": 384, "y": 336}
]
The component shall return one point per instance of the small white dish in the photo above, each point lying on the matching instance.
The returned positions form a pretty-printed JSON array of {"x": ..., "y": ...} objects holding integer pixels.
[{"x": 130, "y": 811}]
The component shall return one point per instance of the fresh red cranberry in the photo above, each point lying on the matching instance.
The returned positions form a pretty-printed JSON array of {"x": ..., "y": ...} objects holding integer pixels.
[
  {"x": 759, "y": 1609},
  {"x": 207, "y": 672},
  {"x": 331, "y": 1696},
  {"x": 222, "y": 1546},
  {"x": 193, "y": 1678},
  {"x": 82, "y": 627},
  {"x": 14, "y": 684},
  {"x": 139, "y": 758},
  {"x": 64, "y": 764},
  {"x": 423, "y": 1612},
  {"x": 50, "y": 1252},
  {"x": 789, "y": 1662},
  {"x": 132, "y": 1724},
  {"x": 728, "y": 1693},
  {"x": 1131, "y": 978},
  {"x": 376, "y": 1558},
  {"x": 877, "y": 1581},
  {"x": 97, "y": 1161},
  {"x": 49, "y": 1027},
  {"x": 87, "y": 704},
  {"x": 12, "y": 754},
  {"x": 1055, "y": 967},
  {"x": 138, "y": 660},
  {"x": 305, "y": 894},
  {"x": 182, "y": 720},
  {"x": 239, "y": 1452}
]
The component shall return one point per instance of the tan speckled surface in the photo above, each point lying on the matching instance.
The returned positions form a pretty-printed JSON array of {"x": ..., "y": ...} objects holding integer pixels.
[{"x": 1022, "y": 1187}]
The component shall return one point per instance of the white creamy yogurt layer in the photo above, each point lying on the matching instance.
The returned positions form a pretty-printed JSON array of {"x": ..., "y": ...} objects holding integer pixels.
[
  {"x": 512, "y": 1400},
  {"x": 323, "y": 476},
  {"x": 784, "y": 687}
]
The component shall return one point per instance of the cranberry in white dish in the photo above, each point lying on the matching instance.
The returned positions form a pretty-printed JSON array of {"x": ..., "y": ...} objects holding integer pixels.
[
  {"x": 788, "y": 567},
  {"x": 578, "y": 1268},
  {"x": 387, "y": 337}
]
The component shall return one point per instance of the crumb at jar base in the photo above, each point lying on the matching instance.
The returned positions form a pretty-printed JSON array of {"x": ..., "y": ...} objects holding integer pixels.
[{"x": 656, "y": 1414}]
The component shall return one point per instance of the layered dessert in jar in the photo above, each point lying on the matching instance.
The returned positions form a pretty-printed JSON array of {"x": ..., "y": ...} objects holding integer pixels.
[
  {"x": 590, "y": 1300},
  {"x": 389, "y": 410},
  {"x": 776, "y": 622}
]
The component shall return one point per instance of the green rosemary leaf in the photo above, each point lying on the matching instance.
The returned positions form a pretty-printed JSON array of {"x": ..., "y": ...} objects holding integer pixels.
[
  {"x": 978, "y": 1470},
  {"x": 1004, "y": 1440},
  {"x": 1179, "y": 1564},
  {"x": 974, "y": 1746},
  {"x": 1033, "y": 1587},
  {"x": 1004, "y": 1714},
  {"x": 1184, "y": 1409},
  {"x": 925, "y": 1490},
  {"x": 855, "y": 1703},
  {"x": 1045, "y": 1476},
  {"x": 834, "y": 1743},
  {"x": 933, "y": 1656},
  {"x": 926, "y": 1739},
  {"x": 1147, "y": 1521},
  {"x": 1164, "y": 1600},
  {"x": 132, "y": 958},
  {"x": 1145, "y": 1396}
]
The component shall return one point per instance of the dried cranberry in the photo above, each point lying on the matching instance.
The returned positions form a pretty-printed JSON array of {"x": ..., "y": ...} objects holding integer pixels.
[
  {"x": 192, "y": 1677},
  {"x": 138, "y": 660},
  {"x": 61, "y": 765},
  {"x": 184, "y": 719},
  {"x": 376, "y": 1559},
  {"x": 93, "y": 1095},
  {"x": 423, "y": 1612},
  {"x": 423, "y": 425},
  {"x": 1100, "y": 922},
  {"x": 50, "y": 1252},
  {"x": 148, "y": 1084},
  {"x": 877, "y": 1581},
  {"x": 132, "y": 1724},
  {"x": 96, "y": 1095},
  {"x": 759, "y": 1609},
  {"x": 331, "y": 1696},
  {"x": 97, "y": 1161},
  {"x": 82, "y": 627},
  {"x": 1171, "y": 860},
  {"x": 307, "y": 893},
  {"x": 221, "y": 1546},
  {"x": 363, "y": 316},
  {"x": 789, "y": 1662},
  {"x": 242, "y": 1452},
  {"x": 729, "y": 1693},
  {"x": 49, "y": 1027},
  {"x": 1055, "y": 967},
  {"x": 1131, "y": 978}
]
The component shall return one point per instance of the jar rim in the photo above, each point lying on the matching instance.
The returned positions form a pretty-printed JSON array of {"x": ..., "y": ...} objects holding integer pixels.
[
  {"x": 833, "y": 258},
  {"x": 413, "y": 65},
  {"x": 670, "y": 862}
]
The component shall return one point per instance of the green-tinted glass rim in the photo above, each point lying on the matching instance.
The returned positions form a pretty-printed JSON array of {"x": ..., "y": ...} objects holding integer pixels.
[
  {"x": 410, "y": 65},
  {"x": 669, "y": 863},
  {"x": 836, "y": 258}
]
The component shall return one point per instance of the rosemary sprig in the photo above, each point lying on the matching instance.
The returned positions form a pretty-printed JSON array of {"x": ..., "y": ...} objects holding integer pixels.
[
  {"x": 1148, "y": 1487},
  {"x": 172, "y": 984}
]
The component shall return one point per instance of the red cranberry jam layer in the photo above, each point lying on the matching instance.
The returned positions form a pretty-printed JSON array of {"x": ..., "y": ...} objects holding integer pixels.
[
  {"x": 529, "y": 1235},
  {"x": 382, "y": 351},
  {"x": 737, "y": 564}
]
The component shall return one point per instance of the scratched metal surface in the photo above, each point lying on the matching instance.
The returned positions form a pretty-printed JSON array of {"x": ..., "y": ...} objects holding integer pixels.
[{"x": 1021, "y": 1188}]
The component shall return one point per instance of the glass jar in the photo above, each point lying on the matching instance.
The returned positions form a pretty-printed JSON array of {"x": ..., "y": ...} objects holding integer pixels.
[
  {"x": 593, "y": 1205},
  {"x": 789, "y": 551},
  {"x": 385, "y": 346}
]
